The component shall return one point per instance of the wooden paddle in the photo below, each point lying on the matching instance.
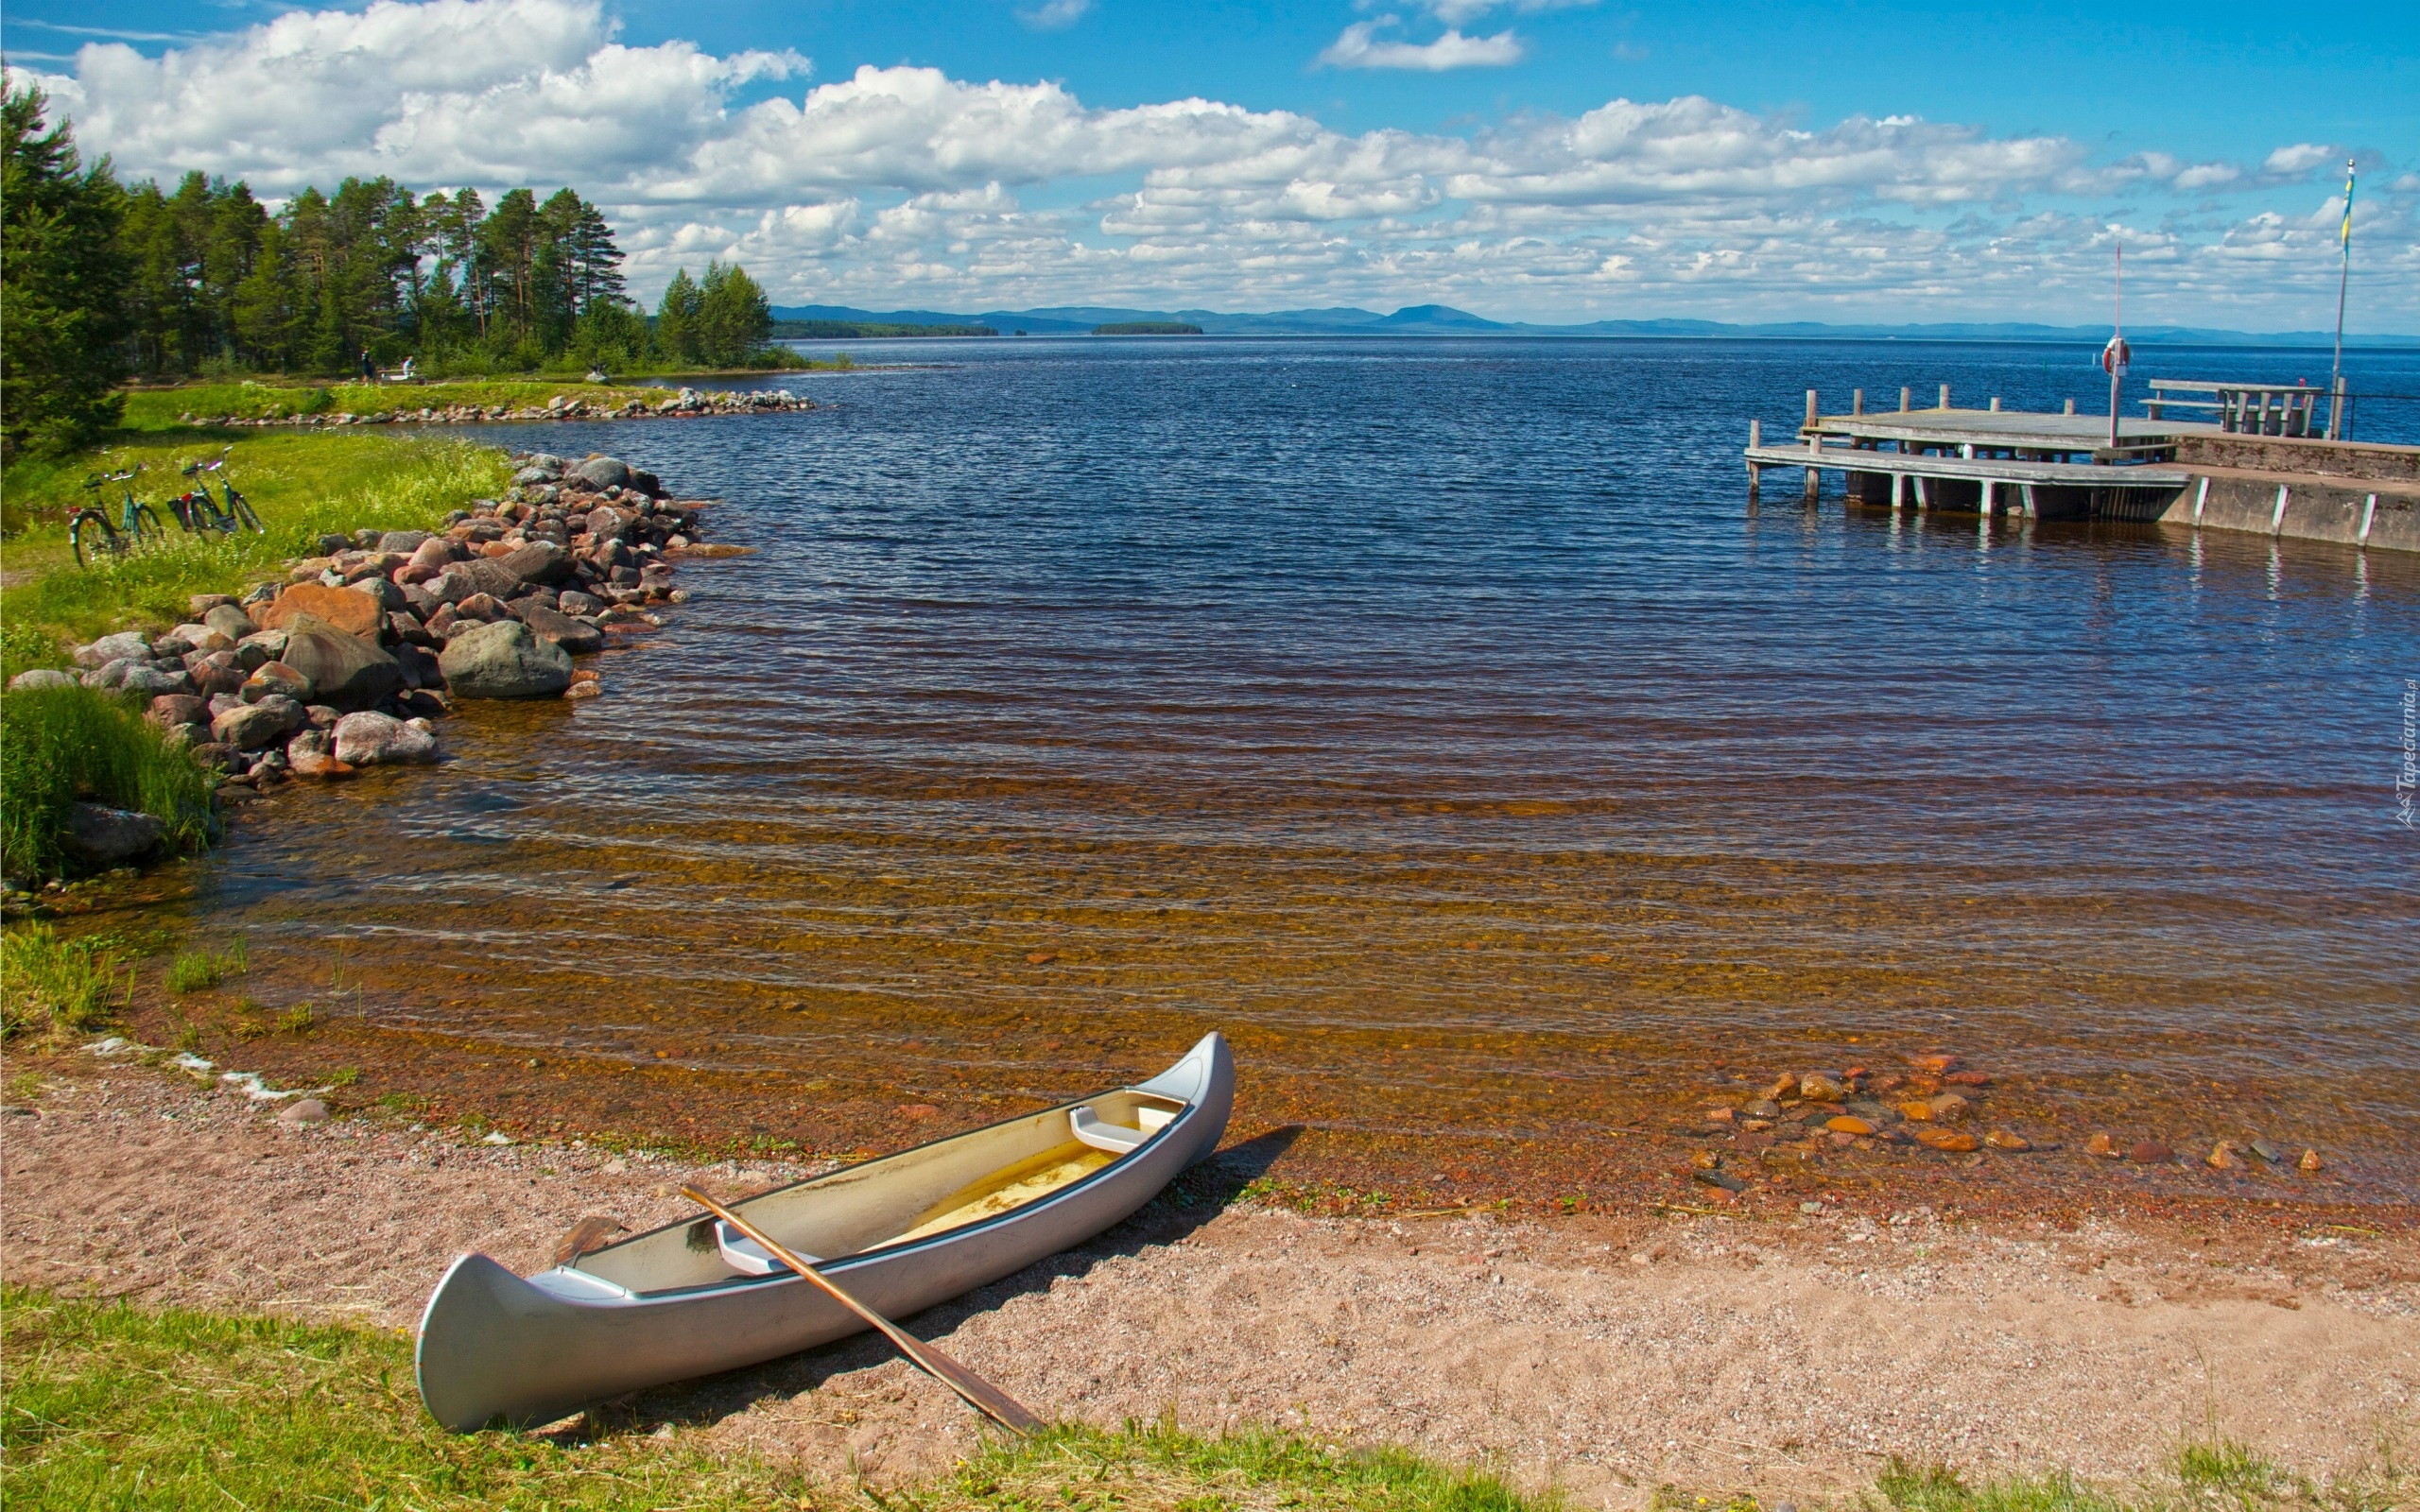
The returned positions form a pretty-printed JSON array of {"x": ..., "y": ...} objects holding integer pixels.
[{"x": 980, "y": 1394}]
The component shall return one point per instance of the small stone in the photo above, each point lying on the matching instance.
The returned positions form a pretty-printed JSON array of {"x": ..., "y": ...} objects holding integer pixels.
[
  {"x": 1786, "y": 1086},
  {"x": 251, "y": 726},
  {"x": 1040, "y": 958},
  {"x": 302, "y": 1111},
  {"x": 1939, "y": 1064},
  {"x": 1705, "y": 1160},
  {"x": 276, "y": 677},
  {"x": 2267, "y": 1152},
  {"x": 2221, "y": 1157},
  {"x": 1949, "y": 1108},
  {"x": 1916, "y": 1111},
  {"x": 1763, "y": 1108},
  {"x": 1845, "y": 1125},
  {"x": 1720, "y": 1179},
  {"x": 2311, "y": 1161},
  {"x": 2150, "y": 1152},
  {"x": 2000, "y": 1139},
  {"x": 497, "y": 1136},
  {"x": 583, "y": 689},
  {"x": 169, "y": 709},
  {"x": 2102, "y": 1145},
  {"x": 1720, "y": 1115},
  {"x": 1820, "y": 1089},
  {"x": 918, "y": 1110},
  {"x": 1968, "y": 1079},
  {"x": 370, "y": 739},
  {"x": 1949, "y": 1140},
  {"x": 235, "y": 793},
  {"x": 229, "y": 620},
  {"x": 200, "y": 604},
  {"x": 100, "y": 837}
]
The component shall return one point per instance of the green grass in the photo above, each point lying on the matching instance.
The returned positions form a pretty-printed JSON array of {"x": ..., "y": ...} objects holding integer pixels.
[
  {"x": 114, "y": 1407},
  {"x": 303, "y": 486},
  {"x": 53, "y": 986},
  {"x": 200, "y": 970},
  {"x": 155, "y": 409},
  {"x": 59, "y": 744}
]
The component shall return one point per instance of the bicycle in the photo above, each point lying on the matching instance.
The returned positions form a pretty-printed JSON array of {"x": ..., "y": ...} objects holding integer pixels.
[
  {"x": 92, "y": 534},
  {"x": 199, "y": 511}
]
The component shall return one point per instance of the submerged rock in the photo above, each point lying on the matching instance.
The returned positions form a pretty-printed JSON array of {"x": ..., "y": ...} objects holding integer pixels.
[
  {"x": 502, "y": 661},
  {"x": 370, "y": 739},
  {"x": 98, "y": 836}
]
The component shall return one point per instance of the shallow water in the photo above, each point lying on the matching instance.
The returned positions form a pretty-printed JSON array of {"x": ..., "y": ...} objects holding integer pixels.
[{"x": 1436, "y": 718}]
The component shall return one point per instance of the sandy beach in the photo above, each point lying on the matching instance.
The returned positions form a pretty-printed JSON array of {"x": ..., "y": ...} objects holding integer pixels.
[{"x": 1605, "y": 1353}]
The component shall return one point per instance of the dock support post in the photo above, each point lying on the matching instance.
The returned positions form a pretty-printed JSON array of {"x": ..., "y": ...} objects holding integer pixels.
[
  {"x": 1857, "y": 400},
  {"x": 2201, "y": 497},
  {"x": 1756, "y": 473},
  {"x": 2071, "y": 406},
  {"x": 1996, "y": 403},
  {"x": 2031, "y": 512},
  {"x": 2277, "y": 520},
  {"x": 1922, "y": 503},
  {"x": 2369, "y": 512},
  {"x": 1898, "y": 489},
  {"x": 1814, "y": 458},
  {"x": 1904, "y": 395},
  {"x": 2336, "y": 409},
  {"x": 1944, "y": 396},
  {"x": 1810, "y": 406},
  {"x": 1991, "y": 485}
]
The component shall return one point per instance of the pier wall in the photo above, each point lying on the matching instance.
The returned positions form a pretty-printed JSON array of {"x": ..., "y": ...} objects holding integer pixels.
[{"x": 2317, "y": 508}]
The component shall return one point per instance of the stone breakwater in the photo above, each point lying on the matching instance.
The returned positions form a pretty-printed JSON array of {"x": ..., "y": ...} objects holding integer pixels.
[
  {"x": 350, "y": 663},
  {"x": 683, "y": 404}
]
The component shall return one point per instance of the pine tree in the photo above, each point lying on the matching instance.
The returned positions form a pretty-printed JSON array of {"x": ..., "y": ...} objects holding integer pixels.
[
  {"x": 733, "y": 315},
  {"x": 62, "y": 285},
  {"x": 676, "y": 319}
]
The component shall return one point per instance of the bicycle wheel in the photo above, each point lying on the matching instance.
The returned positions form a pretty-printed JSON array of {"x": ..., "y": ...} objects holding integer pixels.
[
  {"x": 147, "y": 525},
  {"x": 93, "y": 537},
  {"x": 244, "y": 511}
]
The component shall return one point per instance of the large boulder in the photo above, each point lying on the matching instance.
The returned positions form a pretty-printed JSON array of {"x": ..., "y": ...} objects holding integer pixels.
[
  {"x": 229, "y": 620},
  {"x": 355, "y": 614},
  {"x": 540, "y": 561},
  {"x": 170, "y": 710},
  {"x": 575, "y": 636},
  {"x": 502, "y": 661},
  {"x": 100, "y": 837},
  {"x": 494, "y": 577},
  {"x": 402, "y": 540},
  {"x": 435, "y": 552},
  {"x": 146, "y": 678},
  {"x": 251, "y": 726},
  {"x": 601, "y": 472},
  {"x": 645, "y": 482},
  {"x": 380, "y": 740},
  {"x": 345, "y": 670},
  {"x": 42, "y": 677},
  {"x": 110, "y": 648}
]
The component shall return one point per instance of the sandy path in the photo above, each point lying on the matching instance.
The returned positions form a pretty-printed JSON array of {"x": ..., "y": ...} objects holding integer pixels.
[{"x": 1608, "y": 1353}]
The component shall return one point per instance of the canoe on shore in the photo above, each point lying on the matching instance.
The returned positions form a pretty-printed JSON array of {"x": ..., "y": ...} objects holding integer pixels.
[{"x": 901, "y": 1233}]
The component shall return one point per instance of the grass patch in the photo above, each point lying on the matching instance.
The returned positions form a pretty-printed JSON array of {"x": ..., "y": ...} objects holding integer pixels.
[
  {"x": 2218, "y": 1475},
  {"x": 48, "y": 984},
  {"x": 303, "y": 486},
  {"x": 111, "y": 1406},
  {"x": 200, "y": 970},
  {"x": 61, "y": 745},
  {"x": 158, "y": 409}
]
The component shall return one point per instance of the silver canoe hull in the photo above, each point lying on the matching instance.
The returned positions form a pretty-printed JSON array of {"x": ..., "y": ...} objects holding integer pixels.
[{"x": 496, "y": 1344}]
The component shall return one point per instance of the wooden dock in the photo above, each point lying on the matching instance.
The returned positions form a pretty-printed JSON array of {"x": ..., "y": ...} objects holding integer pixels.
[
  {"x": 2257, "y": 475},
  {"x": 1975, "y": 459}
]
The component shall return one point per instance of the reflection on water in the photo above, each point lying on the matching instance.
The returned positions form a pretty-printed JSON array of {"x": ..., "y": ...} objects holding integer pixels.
[{"x": 1436, "y": 719}]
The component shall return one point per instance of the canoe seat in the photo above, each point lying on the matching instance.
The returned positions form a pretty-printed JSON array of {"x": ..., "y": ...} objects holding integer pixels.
[
  {"x": 748, "y": 1257},
  {"x": 1086, "y": 1126}
]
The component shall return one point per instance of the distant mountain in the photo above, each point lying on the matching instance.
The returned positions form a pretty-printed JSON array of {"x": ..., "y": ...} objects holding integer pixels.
[{"x": 1443, "y": 319}]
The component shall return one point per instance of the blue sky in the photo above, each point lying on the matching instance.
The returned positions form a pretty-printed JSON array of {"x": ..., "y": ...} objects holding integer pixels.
[{"x": 1574, "y": 161}]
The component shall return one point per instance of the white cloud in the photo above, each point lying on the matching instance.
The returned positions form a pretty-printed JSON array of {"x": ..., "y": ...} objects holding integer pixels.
[
  {"x": 905, "y": 186},
  {"x": 1358, "y": 46},
  {"x": 1055, "y": 15}
]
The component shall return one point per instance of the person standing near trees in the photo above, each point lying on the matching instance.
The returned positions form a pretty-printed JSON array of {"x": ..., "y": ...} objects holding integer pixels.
[{"x": 368, "y": 367}]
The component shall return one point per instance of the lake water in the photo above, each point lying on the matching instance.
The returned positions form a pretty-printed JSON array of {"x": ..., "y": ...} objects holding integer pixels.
[{"x": 1436, "y": 718}]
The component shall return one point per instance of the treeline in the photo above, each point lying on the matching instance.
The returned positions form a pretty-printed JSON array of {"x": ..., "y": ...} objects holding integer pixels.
[{"x": 105, "y": 281}]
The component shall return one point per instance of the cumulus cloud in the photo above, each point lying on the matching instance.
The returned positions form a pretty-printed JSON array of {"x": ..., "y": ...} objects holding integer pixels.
[
  {"x": 1359, "y": 47},
  {"x": 905, "y": 186}
]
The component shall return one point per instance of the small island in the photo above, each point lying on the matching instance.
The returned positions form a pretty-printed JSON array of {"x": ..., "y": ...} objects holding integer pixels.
[{"x": 1148, "y": 328}]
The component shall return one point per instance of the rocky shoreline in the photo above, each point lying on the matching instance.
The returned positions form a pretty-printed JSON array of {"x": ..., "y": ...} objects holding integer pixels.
[
  {"x": 350, "y": 662},
  {"x": 684, "y": 404}
]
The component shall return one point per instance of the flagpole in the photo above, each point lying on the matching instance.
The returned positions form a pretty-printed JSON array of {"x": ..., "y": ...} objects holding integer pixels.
[{"x": 2343, "y": 276}]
